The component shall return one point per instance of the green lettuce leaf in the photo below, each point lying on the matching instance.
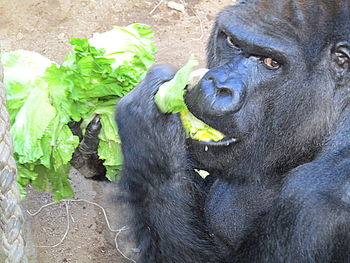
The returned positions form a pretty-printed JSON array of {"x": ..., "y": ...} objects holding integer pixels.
[
  {"x": 131, "y": 43},
  {"x": 170, "y": 95},
  {"x": 21, "y": 70},
  {"x": 30, "y": 124}
]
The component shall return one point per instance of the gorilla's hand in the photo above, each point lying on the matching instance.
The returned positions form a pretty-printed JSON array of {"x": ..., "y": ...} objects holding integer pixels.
[
  {"x": 148, "y": 136},
  {"x": 157, "y": 181}
]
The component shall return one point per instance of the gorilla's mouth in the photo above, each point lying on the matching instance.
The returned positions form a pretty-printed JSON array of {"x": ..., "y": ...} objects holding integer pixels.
[
  {"x": 198, "y": 130},
  {"x": 227, "y": 141},
  {"x": 216, "y": 141},
  {"x": 206, "y": 135}
]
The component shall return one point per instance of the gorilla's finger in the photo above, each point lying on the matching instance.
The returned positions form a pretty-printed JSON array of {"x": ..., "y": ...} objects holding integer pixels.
[
  {"x": 157, "y": 75},
  {"x": 142, "y": 96},
  {"x": 164, "y": 72}
]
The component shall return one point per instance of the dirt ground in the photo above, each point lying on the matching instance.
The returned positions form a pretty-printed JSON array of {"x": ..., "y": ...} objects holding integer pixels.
[{"x": 45, "y": 26}]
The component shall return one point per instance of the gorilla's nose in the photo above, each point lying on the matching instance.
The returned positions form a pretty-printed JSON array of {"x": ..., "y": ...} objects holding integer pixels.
[
  {"x": 221, "y": 87},
  {"x": 224, "y": 93}
]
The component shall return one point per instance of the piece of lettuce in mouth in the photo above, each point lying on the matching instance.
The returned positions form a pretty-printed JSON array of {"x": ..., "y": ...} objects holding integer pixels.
[
  {"x": 197, "y": 129},
  {"x": 170, "y": 99}
]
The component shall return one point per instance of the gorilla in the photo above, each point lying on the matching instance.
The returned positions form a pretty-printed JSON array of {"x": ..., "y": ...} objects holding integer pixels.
[{"x": 279, "y": 186}]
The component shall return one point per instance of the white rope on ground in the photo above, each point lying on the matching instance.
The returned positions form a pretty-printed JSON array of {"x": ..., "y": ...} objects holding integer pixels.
[
  {"x": 66, "y": 202},
  {"x": 124, "y": 228},
  {"x": 66, "y": 232}
]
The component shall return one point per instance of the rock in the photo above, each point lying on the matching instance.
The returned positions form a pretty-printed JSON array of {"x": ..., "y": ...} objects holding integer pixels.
[{"x": 176, "y": 6}]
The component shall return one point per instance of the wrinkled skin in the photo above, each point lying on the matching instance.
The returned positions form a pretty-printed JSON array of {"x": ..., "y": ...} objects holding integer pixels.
[
  {"x": 279, "y": 84},
  {"x": 85, "y": 158}
]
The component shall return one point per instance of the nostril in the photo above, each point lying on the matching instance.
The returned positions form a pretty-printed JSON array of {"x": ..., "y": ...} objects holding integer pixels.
[
  {"x": 224, "y": 91},
  {"x": 220, "y": 89}
]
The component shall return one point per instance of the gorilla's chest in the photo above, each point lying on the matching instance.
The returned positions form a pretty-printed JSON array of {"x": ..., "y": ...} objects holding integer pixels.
[{"x": 231, "y": 210}]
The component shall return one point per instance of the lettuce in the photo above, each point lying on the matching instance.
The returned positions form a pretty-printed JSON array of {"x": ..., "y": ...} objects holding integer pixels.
[
  {"x": 197, "y": 129},
  {"x": 21, "y": 69},
  {"x": 170, "y": 95},
  {"x": 170, "y": 99},
  {"x": 44, "y": 97}
]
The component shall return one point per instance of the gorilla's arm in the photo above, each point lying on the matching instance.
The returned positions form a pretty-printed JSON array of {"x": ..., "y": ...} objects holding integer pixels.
[
  {"x": 309, "y": 220},
  {"x": 157, "y": 181}
]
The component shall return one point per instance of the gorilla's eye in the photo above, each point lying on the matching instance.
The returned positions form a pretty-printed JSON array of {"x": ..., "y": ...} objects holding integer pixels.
[
  {"x": 342, "y": 58},
  {"x": 231, "y": 42},
  {"x": 271, "y": 64}
]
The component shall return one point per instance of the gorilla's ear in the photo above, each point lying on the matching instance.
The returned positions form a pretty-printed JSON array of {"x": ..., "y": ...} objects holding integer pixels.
[{"x": 341, "y": 59}]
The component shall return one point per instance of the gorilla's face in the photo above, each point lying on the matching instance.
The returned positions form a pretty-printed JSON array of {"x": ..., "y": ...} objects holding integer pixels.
[{"x": 270, "y": 88}]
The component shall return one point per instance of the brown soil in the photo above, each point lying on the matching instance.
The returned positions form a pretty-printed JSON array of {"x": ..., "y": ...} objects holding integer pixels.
[{"x": 45, "y": 26}]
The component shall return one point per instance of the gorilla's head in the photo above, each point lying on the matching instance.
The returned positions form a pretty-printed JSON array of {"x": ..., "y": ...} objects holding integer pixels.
[{"x": 278, "y": 83}]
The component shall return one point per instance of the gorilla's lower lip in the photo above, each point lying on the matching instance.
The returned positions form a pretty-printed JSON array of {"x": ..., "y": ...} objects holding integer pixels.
[{"x": 224, "y": 142}]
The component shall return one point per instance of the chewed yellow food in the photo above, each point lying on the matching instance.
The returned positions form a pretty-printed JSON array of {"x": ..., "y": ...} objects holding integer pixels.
[{"x": 197, "y": 129}]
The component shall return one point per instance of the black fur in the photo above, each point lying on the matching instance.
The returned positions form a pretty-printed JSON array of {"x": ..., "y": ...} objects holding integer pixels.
[{"x": 281, "y": 193}]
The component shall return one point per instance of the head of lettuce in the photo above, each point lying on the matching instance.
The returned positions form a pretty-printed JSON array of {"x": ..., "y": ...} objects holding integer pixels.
[{"x": 44, "y": 97}]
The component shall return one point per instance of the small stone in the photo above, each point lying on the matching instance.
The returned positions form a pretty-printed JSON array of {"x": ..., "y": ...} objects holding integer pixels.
[
  {"x": 176, "y": 6},
  {"x": 62, "y": 36},
  {"x": 19, "y": 36}
]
